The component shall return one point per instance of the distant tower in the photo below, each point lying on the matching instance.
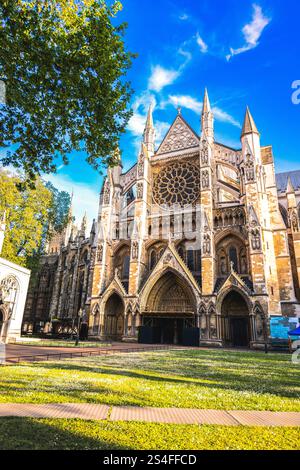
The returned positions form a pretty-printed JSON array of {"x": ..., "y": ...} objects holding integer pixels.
[
  {"x": 149, "y": 132},
  {"x": 207, "y": 119},
  {"x": 2, "y": 230}
]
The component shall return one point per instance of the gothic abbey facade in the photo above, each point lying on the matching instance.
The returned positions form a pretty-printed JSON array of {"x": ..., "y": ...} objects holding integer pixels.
[{"x": 165, "y": 286}]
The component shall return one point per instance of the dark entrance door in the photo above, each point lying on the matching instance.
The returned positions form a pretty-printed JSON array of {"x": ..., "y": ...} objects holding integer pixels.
[
  {"x": 239, "y": 332},
  {"x": 166, "y": 331}
]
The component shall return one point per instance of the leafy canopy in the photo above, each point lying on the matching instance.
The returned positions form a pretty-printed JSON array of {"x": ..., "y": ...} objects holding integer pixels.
[
  {"x": 29, "y": 212},
  {"x": 63, "y": 63}
]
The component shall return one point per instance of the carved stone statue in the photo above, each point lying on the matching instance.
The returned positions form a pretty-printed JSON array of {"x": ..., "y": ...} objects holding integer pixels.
[
  {"x": 204, "y": 153},
  {"x": 205, "y": 179},
  {"x": 100, "y": 253},
  {"x": 249, "y": 171},
  {"x": 135, "y": 249},
  {"x": 106, "y": 194},
  {"x": 255, "y": 239},
  {"x": 139, "y": 191},
  {"x": 206, "y": 245},
  {"x": 295, "y": 222}
]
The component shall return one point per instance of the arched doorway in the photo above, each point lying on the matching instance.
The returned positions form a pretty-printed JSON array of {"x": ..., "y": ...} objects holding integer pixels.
[
  {"x": 235, "y": 320},
  {"x": 170, "y": 313},
  {"x": 114, "y": 317}
]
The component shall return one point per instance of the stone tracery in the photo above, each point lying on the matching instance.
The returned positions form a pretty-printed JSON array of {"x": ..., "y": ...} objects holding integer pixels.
[{"x": 178, "y": 183}]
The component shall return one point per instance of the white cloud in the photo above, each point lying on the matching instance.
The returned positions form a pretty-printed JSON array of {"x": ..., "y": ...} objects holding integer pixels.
[
  {"x": 187, "y": 55},
  {"x": 203, "y": 46},
  {"x": 252, "y": 31},
  {"x": 191, "y": 103},
  {"x": 85, "y": 198},
  {"x": 137, "y": 122},
  {"x": 161, "y": 77},
  {"x": 223, "y": 116},
  {"x": 186, "y": 102},
  {"x": 161, "y": 128}
]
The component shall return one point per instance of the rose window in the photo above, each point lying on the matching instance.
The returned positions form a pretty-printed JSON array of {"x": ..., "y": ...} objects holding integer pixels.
[{"x": 178, "y": 183}]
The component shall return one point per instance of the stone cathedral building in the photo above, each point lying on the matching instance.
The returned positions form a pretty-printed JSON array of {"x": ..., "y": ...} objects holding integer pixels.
[{"x": 156, "y": 286}]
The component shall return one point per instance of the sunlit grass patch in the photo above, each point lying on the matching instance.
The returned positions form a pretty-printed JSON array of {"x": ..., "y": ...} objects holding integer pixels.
[
  {"x": 214, "y": 379},
  {"x": 51, "y": 434}
]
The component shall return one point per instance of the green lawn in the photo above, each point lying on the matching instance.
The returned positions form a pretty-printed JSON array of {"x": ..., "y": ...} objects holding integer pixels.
[
  {"x": 214, "y": 379},
  {"x": 33, "y": 434}
]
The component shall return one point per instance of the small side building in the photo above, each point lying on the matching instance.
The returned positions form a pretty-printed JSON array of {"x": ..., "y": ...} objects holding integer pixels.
[{"x": 14, "y": 282}]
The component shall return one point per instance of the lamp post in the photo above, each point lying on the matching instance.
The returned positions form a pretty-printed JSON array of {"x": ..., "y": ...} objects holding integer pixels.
[{"x": 79, "y": 316}]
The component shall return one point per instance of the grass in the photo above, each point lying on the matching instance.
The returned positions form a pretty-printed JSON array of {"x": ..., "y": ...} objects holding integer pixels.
[
  {"x": 62, "y": 343},
  {"x": 213, "y": 379},
  {"x": 21, "y": 433}
]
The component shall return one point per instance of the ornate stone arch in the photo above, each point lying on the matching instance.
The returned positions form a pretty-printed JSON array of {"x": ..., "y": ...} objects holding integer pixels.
[
  {"x": 9, "y": 293},
  {"x": 224, "y": 292},
  {"x": 108, "y": 293},
  {"x": 152, "y": 281},
  {"x": 96, "y": 316},
  {"x": 231, "y": 246},
  {"x": 203, "y": 323},
  {"x": 227, "y": 232},
  {"x": 259, "y": 322},
  {"x": 113, "y": 315}
]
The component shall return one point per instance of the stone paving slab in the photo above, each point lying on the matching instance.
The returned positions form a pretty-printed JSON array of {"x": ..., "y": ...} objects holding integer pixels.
[
  {"x": 172, "y": 415},
  {"x": 91, "y": 411},
  {"x": 63, "y": 410},
  {"x": 266, "y": 418}
]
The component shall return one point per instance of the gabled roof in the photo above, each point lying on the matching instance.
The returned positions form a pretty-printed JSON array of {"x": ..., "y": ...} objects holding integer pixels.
[
  {"x": 282, "y": 180},
  {"x": 180, "y": 136}
]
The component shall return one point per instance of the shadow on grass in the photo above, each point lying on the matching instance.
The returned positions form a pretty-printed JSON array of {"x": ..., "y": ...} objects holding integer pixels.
[
  {"x": 212, "y": 369},
  {"x": 33, "y": 434}
]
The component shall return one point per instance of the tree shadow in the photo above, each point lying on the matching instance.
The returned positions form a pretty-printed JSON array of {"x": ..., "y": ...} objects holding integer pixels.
[{"x": 51, "y": 434}]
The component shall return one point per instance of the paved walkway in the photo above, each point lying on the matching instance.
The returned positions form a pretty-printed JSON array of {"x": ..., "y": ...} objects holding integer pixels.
[
  {"x": 25, "y": 353},
  {"x": 91, "y": 411}
]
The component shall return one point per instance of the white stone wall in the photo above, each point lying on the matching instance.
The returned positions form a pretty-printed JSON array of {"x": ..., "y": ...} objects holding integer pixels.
[{"x": 22, "y": 276}]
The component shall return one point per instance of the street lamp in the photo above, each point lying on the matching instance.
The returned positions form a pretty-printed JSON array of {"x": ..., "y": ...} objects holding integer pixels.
[{"x": 79, "y": 316}]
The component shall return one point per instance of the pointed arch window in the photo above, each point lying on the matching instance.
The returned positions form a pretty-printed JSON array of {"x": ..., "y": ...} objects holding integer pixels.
[{"x": 126, "y": 267}]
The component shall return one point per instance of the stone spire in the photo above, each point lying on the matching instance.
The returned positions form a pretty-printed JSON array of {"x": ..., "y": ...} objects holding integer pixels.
[
  {"x": 149, "y": 132},
  {"x": 68, "y": 229},
  {"x": 93, "y": 231},
  {"x": 249, "y": 126},
  {"x": 206, "y": 103},
  {"x": 83, "y": 225},
  {"x": 207, "y": 119},
  {"x": 250, "y": 139},
  {"x": 290, "y": 188}
]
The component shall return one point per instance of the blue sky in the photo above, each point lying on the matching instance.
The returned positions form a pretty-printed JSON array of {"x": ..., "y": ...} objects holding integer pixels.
[{"x": 245, "y": 53}]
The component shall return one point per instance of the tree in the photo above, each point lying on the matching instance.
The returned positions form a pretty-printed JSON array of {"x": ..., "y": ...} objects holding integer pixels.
[
  {"x": 26, "y": 213},
  {"x": 59, "y": 212},
  {"x": 63, "y": 63}
]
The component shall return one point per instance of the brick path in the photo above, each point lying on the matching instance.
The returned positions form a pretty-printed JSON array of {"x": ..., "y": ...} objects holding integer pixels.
[
  {"x": 91, "y": 411},
  {"x": 25, "y": 353}
]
